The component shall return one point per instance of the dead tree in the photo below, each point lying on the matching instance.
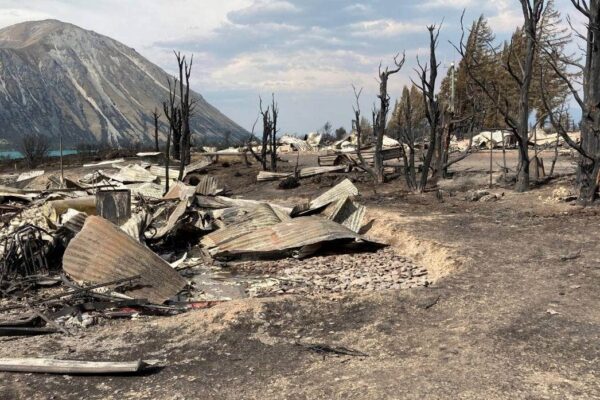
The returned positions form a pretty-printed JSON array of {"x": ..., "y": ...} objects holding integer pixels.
[
  {"x": 173, "y": 115},
  {"x": 407, "y": 138},
  {"x": 156, "y": 115},
  {"x": 273, "y": 147},
  {"x": 358, "y": 128},
  {"x": 380, "y": 115},
  {"x": 588, "y": 171},
  {"x": 522, "y": 74},
  {"x": 266, "y": 143},
  {"x": 35, "y": 148},
  {"x": 186, "y": 108},
  {"x": 427, "y": 77}
]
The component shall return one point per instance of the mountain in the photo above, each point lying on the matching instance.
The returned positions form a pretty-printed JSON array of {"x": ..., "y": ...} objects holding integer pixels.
[{"x": 56, "y": 77}]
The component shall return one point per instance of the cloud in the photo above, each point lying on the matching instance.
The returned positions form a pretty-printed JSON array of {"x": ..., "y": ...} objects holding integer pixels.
[
  {"x": 308, "y": 52},
  {"x": 384, "y": 28},
  {"x": 448, "y": 4},
  {"x": 263, "y": 10}
]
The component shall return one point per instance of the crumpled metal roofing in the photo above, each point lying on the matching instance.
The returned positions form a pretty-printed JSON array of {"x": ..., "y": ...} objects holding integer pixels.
[
  {"x": 148, "y": 189},
  {"x": 172, "y": 221},
  {"x": 179, "y": 190},
  {"x": 208, "y": 186},
  {"x": 346, "y": 212},
  {"x": 243, "y": 222},
  {"x": 161, "y": 172},
  {"x": 132, "y": 174},
  {"x": 102, "y": 252},
  {"x": 202, "y": 163},
  {"x": 339, "y": 191},
  {"x": 303, "y": 233},
  {"x": 302, "y": 173},
  {"x": 29, "y": 175}
]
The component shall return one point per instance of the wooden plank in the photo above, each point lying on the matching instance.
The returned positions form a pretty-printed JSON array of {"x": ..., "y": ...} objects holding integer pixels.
[{"x": 52, "y": 366}]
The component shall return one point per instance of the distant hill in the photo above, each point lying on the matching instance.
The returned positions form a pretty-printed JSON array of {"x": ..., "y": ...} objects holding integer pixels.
[{"x": 56, "y": 77}]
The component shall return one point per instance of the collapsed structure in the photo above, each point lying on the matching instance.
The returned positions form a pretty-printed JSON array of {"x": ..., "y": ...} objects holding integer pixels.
[{"x": 113, "y": 244}]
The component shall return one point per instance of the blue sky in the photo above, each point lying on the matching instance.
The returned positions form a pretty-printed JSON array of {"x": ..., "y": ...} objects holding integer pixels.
[{"x": 308, "y": 52}]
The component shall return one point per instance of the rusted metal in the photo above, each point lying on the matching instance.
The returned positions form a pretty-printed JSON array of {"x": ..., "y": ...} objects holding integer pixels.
[
  {"x": 208, "y": 186},
  {"x": 114, "y": 205},
  {"x": 25, "y": 253},
  {"x": 101, "y": 252},
  {"x": 296, "y": 234},
  {"x": 346, "y": 212},
  {"x": 339, "y": 191},
  {"x": 245, "y": 221}
]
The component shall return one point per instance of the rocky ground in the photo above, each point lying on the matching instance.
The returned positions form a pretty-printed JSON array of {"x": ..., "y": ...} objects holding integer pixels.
[{"x": 381, "y": 270}]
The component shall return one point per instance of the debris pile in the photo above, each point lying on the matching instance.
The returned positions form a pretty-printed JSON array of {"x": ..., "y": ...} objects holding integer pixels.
[{"x": 112, "y": 243}]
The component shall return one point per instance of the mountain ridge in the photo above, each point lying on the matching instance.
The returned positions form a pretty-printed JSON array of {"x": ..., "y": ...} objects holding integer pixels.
[{"x": 56, "y": 77}]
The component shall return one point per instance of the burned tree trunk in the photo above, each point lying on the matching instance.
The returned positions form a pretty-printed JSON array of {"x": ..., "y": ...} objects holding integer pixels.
[
  {"x": 186, "y": 108},
  {"x": 432, "y": 110},
  {"x": 156, "y": 115},
  {"x": 589, "y": 149},
  {"x": 275, "y": 113},
  {"x": 522, "y": 76},
  {"x": 379, "y": 122},
  {"x": 356, "y": 125},
  {"x": 589, "y": 167},
  {"x": 173, "y": 115},
  {"x": 266, "y": 136}
]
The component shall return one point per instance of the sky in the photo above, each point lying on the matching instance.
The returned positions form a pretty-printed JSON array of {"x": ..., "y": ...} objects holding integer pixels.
[{"x": 308, "y": 53}]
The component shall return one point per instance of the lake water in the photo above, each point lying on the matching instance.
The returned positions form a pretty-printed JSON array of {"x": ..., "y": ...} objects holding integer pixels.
[{"x": 15, "y": 155}]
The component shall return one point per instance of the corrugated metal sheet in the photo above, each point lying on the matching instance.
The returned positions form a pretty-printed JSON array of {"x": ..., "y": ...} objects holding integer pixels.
[
  {"x": 245, "y": 221},
  {"x": 132, "y": 174},
  {"x": 218, "y": 202},
  {"x": 198, "y": 165},
  {"x": 104, "y": 163},
  {"x": 286, "y": 236},
  {"x": 179, "y": 190},
  {"x": 152, "y": 190},
  {"x": 29, "y": 175},
  {"x": 10, "y": 192},
  {"x": 339, "y": 191},
  {"x": 208, "y": 186},
  {"x": 346, "y": 212},
  {"x": 161, "y": 172},
  {"x": 102, "y": 252},
  {"x": 272, "y": 176},
  {"x": 174, "y": 217},
  {"x": 303, "y": 173},
  {"x": 312, "y": 171},
  {"x": 73, "y": 220}
]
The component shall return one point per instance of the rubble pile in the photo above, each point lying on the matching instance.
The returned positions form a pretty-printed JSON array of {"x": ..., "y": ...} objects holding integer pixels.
[
  {"x": 338, "y": 273},
  {"x": 114, "y": 243}
]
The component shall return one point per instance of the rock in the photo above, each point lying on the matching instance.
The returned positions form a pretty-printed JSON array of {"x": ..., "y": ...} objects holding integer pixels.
[
  {"x": 490, "y": 198},
  {"x": 563, "y": 194},
  {"x": 475, "y": 195}
]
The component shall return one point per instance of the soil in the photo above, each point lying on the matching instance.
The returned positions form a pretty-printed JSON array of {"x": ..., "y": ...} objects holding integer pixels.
[{"x": 510, "y": 310}]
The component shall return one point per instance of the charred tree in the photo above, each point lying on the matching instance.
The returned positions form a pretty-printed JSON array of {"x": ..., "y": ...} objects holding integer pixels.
[
  {"x": 380, "y": 115},
  {"x": 427, "y": 77},
  {"x": 588, "y": 171},
  {"x": 266, "y": 136},
  {"x": 273, "y": 147},
  {"x": 520, "y": 70},
  {"x": 359, "y": 135},
  {"x": 186, "y": 108},
  {"x": 173, "y": 115},
  {"x": 155, "y": 116}
]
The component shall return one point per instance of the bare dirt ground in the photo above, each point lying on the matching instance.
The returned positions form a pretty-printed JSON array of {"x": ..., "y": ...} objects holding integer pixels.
[{"x": 511, "y": 312}]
